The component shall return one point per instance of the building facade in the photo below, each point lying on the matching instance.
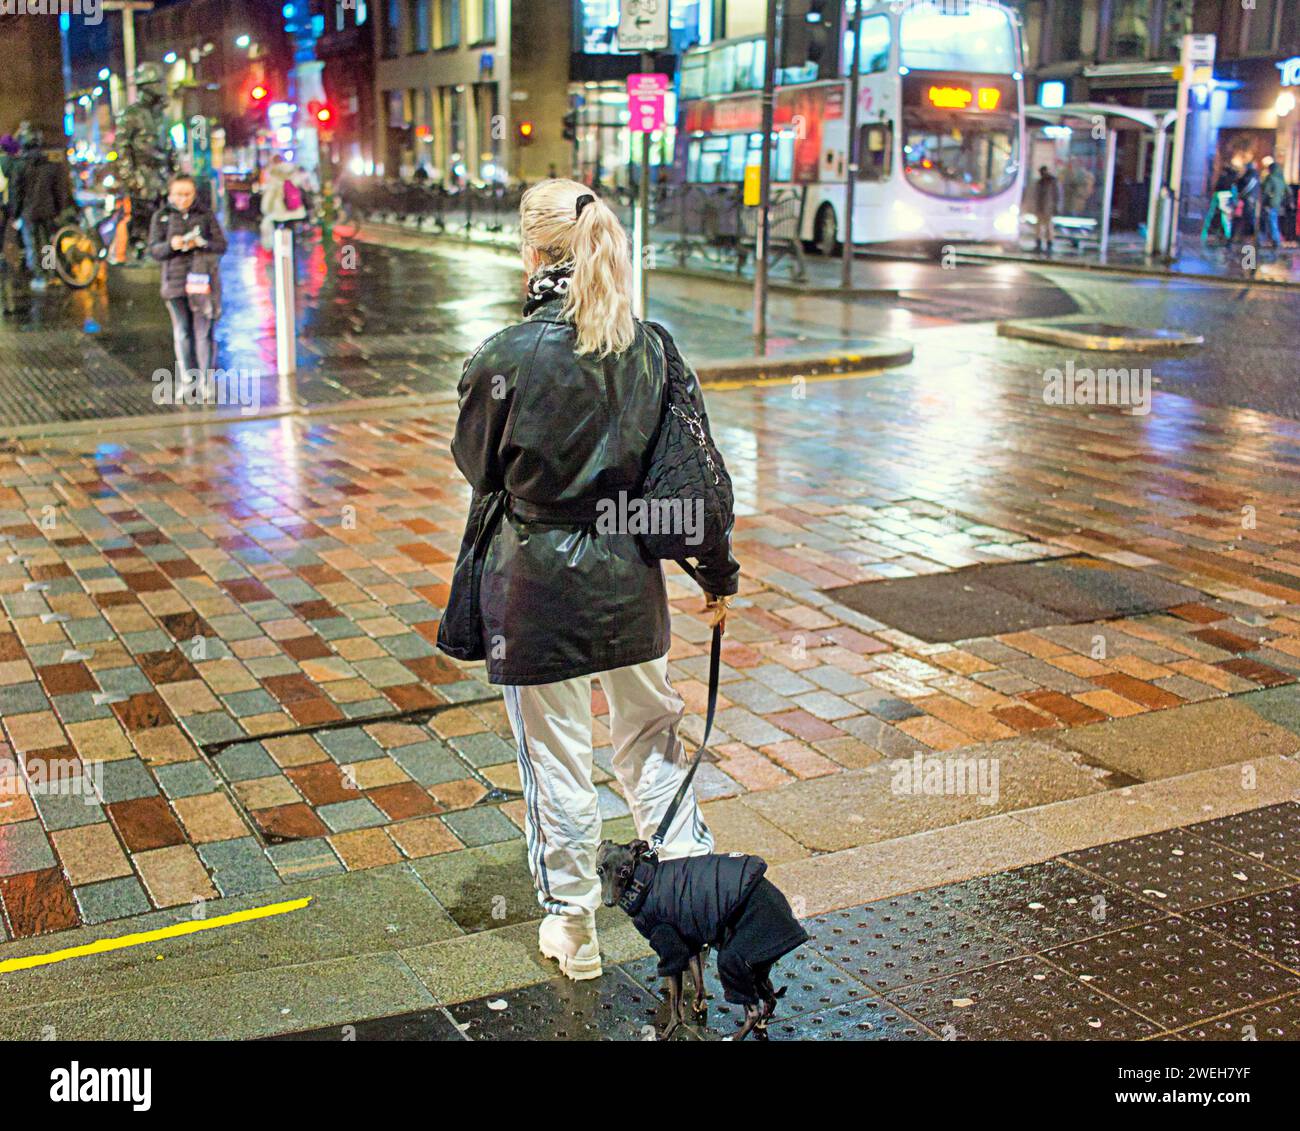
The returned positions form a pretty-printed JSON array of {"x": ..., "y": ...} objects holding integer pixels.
[
  {"x": 32, "y": 52},
  {"x": 346, "y": 51},
  {"x": 470, "y": 90}
]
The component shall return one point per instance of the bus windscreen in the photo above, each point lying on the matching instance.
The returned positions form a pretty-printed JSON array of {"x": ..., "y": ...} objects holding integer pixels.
[{"x": 961, "y": 134}]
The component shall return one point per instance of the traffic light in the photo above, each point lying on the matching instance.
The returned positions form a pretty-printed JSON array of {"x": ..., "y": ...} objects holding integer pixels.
[
  {"x": 526, "y": 132},
  {"x": 321, "y": 112},
  {"x": 259, "y": 94},
  {"x": 571, "y": 125}
]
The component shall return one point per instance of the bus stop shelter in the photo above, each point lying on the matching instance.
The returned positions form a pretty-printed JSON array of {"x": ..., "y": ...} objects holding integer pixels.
[{"x": 1115, "y": 118}]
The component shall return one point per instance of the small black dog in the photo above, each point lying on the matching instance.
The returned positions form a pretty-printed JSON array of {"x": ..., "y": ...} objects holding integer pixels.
[{"x": 684, "y": 905}]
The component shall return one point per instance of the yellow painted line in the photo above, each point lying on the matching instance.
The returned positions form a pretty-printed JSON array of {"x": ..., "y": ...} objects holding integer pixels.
[
  {"x": 764, "y": 382},
  {"x": 176, "y": 930}
]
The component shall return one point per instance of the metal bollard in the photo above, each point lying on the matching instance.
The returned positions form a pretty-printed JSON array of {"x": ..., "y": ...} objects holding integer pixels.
[{"x": 286, "y": 356}]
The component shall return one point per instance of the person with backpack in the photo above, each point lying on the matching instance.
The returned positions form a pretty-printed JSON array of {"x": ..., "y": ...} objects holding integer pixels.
[
  {"x": 568, "y": 420},
  {"x": 284, "y": 199},
  {"x": 41, "y": 194}
]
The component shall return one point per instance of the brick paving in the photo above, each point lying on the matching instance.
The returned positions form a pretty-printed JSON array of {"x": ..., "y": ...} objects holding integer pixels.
[{"x": 220, "y": 643}]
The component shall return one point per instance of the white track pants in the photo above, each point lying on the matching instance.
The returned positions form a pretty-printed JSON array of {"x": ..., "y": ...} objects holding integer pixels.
[{"x": 552, "y": 727}]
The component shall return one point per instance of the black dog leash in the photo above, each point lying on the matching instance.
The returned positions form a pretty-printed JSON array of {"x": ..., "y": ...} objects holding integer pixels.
[{"x": 715, "y": 662}]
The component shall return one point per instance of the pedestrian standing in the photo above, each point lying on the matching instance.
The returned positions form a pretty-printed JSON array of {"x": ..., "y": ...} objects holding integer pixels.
[
  {"x": 284, "y": 199},
  {"x": 185, "y": 236},
  {"x": 8, "y": 170},
  {"x": 1222, "y": 202},
  {"x": 1247, "y": 207},
  {"x": 42, "y": 194},
  {"x": 8, "y": 162},
  {"x": 1047, "y": 195},
  {"x": 1273, "y": 194},
  {"x": 558, "y": 416}
]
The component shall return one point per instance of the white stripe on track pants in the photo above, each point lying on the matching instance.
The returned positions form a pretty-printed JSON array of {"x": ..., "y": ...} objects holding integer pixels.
[{"x": 552, "y": 728}]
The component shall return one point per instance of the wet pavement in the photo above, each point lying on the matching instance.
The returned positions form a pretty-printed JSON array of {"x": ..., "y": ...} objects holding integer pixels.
[
  {"x": 218, "y": 689},
  {"x": 1115, "y": 944},
  {"x": 1243, "y": 260},
  {"x": 375, "y": 322}
]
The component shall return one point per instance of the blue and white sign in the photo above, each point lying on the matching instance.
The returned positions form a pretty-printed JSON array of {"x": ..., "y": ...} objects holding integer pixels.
[{"x": 1290, "y": 69}]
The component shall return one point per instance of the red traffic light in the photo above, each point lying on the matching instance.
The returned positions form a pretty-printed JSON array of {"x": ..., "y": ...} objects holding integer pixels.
[
  {"x": 258, "y": 93},
  {"x": 321, "y": 111},
  {"x": 525, "y": 131},
  {"x": 324, "y": 115}
]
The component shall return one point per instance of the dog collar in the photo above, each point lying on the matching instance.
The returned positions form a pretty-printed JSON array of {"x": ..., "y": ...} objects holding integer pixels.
[{"x": 638, "y": 887}]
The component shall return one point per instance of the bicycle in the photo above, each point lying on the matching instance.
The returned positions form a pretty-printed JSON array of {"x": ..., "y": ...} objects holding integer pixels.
[{"x": 78, "y": 252}]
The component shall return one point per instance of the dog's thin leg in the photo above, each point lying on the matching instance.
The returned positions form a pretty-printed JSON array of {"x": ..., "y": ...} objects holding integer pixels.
[
  {"x": 673, "y": 984},
  {"x": 753, "y": 1014},
  {"x": 701, "y": 1004}
]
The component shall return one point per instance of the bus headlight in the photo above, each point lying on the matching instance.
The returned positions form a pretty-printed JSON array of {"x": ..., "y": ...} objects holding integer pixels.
[
  {"x": 1008, "y": 222},
  {"x": 907, "y": 218}
]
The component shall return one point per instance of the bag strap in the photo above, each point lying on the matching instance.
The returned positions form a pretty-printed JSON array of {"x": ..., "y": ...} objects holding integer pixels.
[{"x": 715, "y": 663}]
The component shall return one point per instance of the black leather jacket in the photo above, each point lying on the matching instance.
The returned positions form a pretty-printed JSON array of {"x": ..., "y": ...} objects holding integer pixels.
[{"x": 556, "y": 432}]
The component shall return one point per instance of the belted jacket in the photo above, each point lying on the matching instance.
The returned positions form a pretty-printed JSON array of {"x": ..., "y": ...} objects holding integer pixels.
[{"x": 550, "y": 440}]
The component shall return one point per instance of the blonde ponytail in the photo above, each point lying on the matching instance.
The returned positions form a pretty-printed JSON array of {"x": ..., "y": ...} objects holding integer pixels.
[{"x": 599, "y": 299}]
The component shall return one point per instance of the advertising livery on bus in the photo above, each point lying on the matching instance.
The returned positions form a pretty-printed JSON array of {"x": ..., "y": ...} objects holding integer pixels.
[{"x": 940, "y": 121}]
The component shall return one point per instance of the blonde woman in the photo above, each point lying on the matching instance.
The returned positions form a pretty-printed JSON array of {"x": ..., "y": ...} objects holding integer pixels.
[{"x": 557, "y": 413}]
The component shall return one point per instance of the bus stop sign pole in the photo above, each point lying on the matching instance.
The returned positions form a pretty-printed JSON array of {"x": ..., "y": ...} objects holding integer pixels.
[
  {"x": 854, "y": 149},
  {"x": 644, "y": 29},
  {"x": 761, "y": 228}
]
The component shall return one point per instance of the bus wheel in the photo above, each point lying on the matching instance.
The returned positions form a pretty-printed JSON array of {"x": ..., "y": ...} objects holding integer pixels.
[{"x": 824, "y": 232}]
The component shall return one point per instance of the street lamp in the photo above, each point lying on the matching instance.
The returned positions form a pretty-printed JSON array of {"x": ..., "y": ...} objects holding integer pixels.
[
  {"x": 104, "y": 72},
  {"x": 170, "y": 57},
  {"x": 243, "y": 41}
]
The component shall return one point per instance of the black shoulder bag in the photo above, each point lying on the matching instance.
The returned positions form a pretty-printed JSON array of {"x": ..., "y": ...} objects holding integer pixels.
[{"x": 685, "y": 471}]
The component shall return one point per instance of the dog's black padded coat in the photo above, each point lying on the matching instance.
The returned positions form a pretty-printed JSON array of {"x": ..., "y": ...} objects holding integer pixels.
[{"x": 716, "y": 900}]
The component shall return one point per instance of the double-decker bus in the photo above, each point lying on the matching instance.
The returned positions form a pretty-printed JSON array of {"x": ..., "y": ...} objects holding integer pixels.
[{"x": 940, "y": 120}]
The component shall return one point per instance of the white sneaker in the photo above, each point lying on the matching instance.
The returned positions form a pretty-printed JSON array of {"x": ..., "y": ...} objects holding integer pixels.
[{"x": 571, "y": 941}]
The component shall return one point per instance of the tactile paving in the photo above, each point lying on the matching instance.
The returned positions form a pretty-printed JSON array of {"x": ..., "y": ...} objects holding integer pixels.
[
  {"x": 875, "y": 1020},
  {"x": 1276, "y": 1021},
  {"x": 1025, "y": 999},
  {"x": 1271, "y": 834},
  {"x": 811, "y": 983},
  {"x": 1047, "y": 904},
  {"x": 423, "y": 1025},
  {"x": 1177, "y": 870},
  {"x": 904, "y": 940},
  {"x": 1174, "y": 972},
  {"x": 1267, "y": 922},
  {"x": 609, "y": 1008}
]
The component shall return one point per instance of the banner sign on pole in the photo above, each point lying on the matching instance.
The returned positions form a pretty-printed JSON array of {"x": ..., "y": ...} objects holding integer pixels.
[
  {"x": 643, "y": 25},
  {"x": 645, "y": 102}
]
